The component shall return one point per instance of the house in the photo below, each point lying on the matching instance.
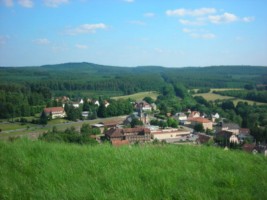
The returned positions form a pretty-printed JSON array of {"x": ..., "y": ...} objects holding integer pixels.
[
  {"x": 215, "y": 117},
  {"x": 203, "y": 138},
  {"x": 143, "y": 105},
  {"x": 85, "y": 114},
  {"x": 180, "y": 116},
  {"x": 244, "y": 134},
  {"x": 75, "y": 104},
  {"x": 231, "y": 127},
  {"x": 106, "y": 103},
  {"x": 62, "y": 99},
  {"x": 223, "y": 137},
  {"x": 154, "y": 106},
  {"x": 132, "y": 135},
  {"x": 207, "y": 124},
  {"x": 97, "y": 103},
  {"x": 194, "y": 114},
  {"x": 234, "y": 139},
  {"x": 248, "y": 147},
  {"x": 55, "y": 112},
  {"x": 169, "y": 135}
]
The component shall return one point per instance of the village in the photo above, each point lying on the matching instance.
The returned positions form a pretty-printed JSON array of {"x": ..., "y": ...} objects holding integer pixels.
[{"x": 190, "y": 127}]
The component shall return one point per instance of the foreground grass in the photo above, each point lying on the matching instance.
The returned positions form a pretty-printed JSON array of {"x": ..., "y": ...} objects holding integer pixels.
[
  {"x": 38, "y": 170},
  {"x": 139, "y": 96}
]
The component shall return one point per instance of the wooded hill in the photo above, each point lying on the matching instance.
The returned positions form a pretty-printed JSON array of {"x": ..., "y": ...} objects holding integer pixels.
[{"x": 89, "y": 76}]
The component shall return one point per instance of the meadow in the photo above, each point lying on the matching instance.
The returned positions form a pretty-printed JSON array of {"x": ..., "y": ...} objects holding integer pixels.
[
  {"x": 39, "y": 170},
  {"x": 210, "y": 96},
  {"x": 139, "y": 96}
]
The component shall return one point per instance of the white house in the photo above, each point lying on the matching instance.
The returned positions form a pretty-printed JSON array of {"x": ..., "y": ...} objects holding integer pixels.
[
  {"x": 169, "y": 135},
  {"x": 55, "y": 112},
  {"x": 75, "y": 104},
  {"x": 181, "y": 116},
  {"x": 234, "y": 139}
]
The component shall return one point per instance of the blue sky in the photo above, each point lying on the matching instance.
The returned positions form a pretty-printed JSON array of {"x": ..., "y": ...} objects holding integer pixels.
[{"x": 171, "y": 33}]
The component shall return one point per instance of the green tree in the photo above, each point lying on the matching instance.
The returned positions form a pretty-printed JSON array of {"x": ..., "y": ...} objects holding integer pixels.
[
  {"x": 43, "y": 119},
  {"x": 136, "y": 122},
  {"x": 199, "y": 128}
]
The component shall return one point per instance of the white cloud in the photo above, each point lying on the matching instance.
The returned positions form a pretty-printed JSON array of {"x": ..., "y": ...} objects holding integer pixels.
[
  {"x": 196, "y": 12},
  {"x": 128, "y": 1},
  {"x": 136, "y": 22},
  {"x": 86, "y": 29},
  {"x": 55, "y": 3},
  {"x": 8, "y": 3},
  {"x": 42, "y": 41},
  {"x": 26, "y": 3},
  {"x": 248, "y": 19},
  {"x": 149, "y": 14},
  {"x": 224, "y": 18},
  {"x": 81, "y": 46}
]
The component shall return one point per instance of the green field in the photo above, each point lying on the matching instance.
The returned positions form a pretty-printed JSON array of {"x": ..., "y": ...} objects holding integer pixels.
[
  {"x": 39, "y": 170},
  {"x": 139, "y": 96},
  {"x": 212, "y": 97}
]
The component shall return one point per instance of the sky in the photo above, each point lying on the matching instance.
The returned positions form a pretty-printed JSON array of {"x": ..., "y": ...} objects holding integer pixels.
[{"x": 170, "y": 33}]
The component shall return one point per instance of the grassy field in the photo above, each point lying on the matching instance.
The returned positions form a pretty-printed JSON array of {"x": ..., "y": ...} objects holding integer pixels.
[
  {"x": 139, "y": 96},
  {"x": 38, "y": 170},
  {"x": 212, "y": 97}
]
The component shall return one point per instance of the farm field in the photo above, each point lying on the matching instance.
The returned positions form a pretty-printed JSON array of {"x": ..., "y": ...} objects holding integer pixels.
[
  {"x": 212, "y": 97},
  {"x": 139, "y": 96}
]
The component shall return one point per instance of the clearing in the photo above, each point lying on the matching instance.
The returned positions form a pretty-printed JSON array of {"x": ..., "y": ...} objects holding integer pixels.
[{"x": 139, "y": 96}]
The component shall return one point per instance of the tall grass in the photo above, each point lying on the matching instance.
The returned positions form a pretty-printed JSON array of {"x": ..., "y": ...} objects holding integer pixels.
[{"x": 38, "y": 170}]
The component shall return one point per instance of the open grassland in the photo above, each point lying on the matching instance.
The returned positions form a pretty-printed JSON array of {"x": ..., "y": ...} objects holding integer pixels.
[
  {"x": 224, "y": 89},
  {"x": 139, "y": 96},
  {"x": 38, "y": 170},
  {"x": 210, "y": 96}
]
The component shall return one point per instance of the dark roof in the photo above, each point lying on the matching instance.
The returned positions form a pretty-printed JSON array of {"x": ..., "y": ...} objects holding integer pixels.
[
  {"x": 224, "y": 134},
  {"x": 248, "y": 147},
  {"x": 230, "y": 126},
  {"x": 136, "y": 130},
  {"x": 203, "y": 138},
  {"x": 114, "y": 132}
]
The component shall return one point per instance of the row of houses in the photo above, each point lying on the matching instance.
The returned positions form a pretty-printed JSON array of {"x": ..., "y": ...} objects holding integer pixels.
[{"x": 119, "y": 136}]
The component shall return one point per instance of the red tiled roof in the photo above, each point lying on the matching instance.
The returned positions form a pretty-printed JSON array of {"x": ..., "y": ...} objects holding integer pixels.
[
  {"x": 114, "y": 132},
  {"x": 53, "y": 109},
  {"x": 199, "y": 120},
  {"x": 134, "y": 130}
]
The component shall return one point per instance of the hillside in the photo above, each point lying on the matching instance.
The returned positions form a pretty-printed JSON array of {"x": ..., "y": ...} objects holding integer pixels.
[{"x": 37, "y": 170}]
